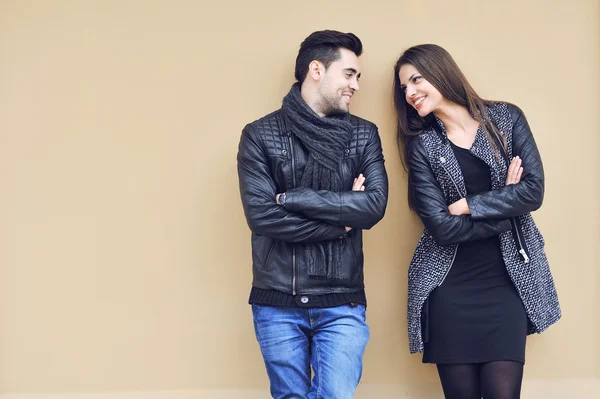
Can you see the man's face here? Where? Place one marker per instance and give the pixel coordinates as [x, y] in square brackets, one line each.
[339, 84]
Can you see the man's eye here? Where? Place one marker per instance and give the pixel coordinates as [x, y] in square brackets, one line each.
[348, 75]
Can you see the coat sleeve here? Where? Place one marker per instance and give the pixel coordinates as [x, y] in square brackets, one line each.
[258, 191]
[356, 209]
[430, 204]
[523, 197]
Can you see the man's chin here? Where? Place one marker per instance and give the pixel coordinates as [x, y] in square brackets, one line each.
[339, 111]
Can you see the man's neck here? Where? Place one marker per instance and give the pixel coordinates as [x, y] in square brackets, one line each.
[310, 94]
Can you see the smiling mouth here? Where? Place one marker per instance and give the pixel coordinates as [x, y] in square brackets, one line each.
[419, 102]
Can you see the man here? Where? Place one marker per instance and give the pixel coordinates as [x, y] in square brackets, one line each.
[312, 177]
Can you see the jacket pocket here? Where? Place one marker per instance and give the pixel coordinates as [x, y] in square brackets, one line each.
[354, 246]
[349, 247]
[262, 248]
[267, 263]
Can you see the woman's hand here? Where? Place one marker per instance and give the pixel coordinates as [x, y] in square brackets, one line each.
[460, 207]
[515, 170]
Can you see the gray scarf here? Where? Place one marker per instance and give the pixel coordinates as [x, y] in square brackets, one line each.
[325, 139]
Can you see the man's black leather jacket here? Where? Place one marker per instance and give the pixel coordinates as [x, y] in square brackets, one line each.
[271, 161]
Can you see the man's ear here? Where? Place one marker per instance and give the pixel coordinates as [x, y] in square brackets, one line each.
[316, 70]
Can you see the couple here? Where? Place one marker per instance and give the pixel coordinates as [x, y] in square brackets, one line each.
[312, 177]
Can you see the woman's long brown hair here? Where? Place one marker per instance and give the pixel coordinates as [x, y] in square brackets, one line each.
[438, 67]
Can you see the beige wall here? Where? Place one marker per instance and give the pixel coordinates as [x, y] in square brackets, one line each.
[125, 256]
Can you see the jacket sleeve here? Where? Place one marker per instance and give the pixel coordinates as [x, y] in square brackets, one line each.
[356, 209]
[523, 197]
[430, 204]
[258, 191]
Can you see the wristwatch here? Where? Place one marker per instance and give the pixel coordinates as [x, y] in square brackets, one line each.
[281, 199]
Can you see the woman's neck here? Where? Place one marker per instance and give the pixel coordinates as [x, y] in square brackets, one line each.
[456, 118]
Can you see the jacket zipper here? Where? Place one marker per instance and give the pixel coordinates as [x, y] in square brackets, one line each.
[294, 185]
[516, 229]
[451, 263]
[443, 161]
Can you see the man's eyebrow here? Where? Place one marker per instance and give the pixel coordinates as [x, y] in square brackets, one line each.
[352, 70]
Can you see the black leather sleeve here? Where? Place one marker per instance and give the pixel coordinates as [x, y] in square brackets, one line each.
[523, 197]
[356, 209]
[258, 191]
[430, 205]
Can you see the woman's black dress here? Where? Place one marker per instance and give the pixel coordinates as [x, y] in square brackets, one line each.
[475, 315]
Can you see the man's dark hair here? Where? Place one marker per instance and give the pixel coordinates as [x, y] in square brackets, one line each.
[324, 46]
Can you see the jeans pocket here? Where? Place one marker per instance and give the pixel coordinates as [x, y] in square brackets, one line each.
[258, 313]
[363, 310]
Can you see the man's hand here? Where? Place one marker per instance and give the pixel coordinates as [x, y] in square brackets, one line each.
[515, 170]
[357, 185]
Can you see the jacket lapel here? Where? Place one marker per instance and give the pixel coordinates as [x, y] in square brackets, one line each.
[483, 150]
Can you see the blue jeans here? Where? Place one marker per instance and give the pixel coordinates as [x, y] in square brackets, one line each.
[332, 340]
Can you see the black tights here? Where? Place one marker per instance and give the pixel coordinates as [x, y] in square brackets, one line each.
[492, 380]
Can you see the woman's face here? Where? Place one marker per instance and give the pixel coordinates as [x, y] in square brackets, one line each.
[419, 93]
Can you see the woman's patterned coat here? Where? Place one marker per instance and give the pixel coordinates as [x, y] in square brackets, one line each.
[436, 181]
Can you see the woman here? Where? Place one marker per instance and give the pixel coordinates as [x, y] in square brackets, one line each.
[479, 281]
